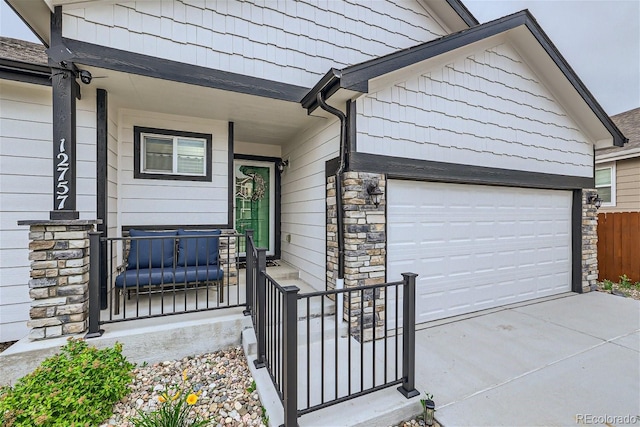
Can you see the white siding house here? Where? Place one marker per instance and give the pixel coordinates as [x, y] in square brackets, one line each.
[25, 188]
[480, 135]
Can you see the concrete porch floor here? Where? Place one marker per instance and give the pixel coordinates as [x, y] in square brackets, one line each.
[556, 361]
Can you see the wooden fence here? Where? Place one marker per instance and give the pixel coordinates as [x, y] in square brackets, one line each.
[619, 245]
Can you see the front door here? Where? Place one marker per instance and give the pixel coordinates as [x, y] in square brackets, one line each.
[255, 202]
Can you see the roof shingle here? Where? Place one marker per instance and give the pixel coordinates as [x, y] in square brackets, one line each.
[629, 123]
[23, 51]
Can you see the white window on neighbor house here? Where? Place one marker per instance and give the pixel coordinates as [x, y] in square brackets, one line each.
[606, 184]
[165, 154]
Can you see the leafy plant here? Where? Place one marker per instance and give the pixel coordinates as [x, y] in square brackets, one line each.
[607, 285]
[625, 282]
[174, 409]
[76, 387]
[264, 417]
[252, 387]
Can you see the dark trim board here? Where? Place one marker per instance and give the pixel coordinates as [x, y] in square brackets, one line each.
[102, 182]
[126, 228]
[26, 73]
[101, 158]
[331, 167]
[230, 181]
[463, 12]
[576, 242]
[425, 170]
[352, 129]
[145, 65]
[277, 250]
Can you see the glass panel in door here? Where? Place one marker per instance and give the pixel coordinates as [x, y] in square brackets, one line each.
[254, 202]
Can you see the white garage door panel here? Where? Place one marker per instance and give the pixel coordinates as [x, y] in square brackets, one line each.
[476, 247]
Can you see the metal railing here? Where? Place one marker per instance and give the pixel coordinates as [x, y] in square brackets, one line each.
[316, 356]
[153, 276]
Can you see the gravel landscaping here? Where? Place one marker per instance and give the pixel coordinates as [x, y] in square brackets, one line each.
[226, 390]
[222, 378]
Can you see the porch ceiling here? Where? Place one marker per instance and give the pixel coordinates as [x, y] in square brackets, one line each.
[257, 119]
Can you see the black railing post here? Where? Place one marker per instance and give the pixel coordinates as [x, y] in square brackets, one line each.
[261, 307]
[408, 388]
[95, 261]
[248, 235]
[105, 264]
[290, 357]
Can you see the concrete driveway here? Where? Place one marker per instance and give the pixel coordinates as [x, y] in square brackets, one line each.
[574, 359]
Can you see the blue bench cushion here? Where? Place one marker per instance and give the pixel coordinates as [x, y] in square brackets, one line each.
[151, 253]
[144, 277]
[200, 251]
[198, 274]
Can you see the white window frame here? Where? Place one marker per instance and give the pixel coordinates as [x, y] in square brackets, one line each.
[612, 168]
[174, 163]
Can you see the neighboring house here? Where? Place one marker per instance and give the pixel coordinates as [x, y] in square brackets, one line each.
[618, 168]
[481, 138]
[618, 185]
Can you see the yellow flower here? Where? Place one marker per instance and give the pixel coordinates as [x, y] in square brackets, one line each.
[175, 396]
[192, 399]
[162, 399]
[184, 375]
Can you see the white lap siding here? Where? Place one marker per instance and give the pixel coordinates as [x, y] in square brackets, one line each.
[290, 41]
[304, 200]
[486, 109]
[26, 170]
[170, 202]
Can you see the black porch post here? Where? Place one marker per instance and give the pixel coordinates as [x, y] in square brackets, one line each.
[64, 91]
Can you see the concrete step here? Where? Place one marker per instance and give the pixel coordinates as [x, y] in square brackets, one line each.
[283, 271]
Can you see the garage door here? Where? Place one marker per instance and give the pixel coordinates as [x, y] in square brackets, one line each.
[477, 247]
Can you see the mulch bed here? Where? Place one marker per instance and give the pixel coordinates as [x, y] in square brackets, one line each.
[6, 345]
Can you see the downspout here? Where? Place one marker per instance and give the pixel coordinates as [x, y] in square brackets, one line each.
[339, 209]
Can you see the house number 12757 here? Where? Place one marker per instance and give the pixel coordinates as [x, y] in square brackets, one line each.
[62, 188]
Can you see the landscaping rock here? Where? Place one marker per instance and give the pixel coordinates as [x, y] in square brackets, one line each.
[222, 378]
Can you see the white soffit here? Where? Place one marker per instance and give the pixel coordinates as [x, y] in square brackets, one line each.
[257, 119]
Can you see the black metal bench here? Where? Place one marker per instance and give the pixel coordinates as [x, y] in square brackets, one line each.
[157, 260]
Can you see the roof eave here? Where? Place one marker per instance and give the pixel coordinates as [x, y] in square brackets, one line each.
[615, 156]
[25, 72]
[463, 12]
[36, 15]
[327, 85]
[357, 77]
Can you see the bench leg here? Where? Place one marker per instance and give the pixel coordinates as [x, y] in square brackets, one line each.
[220, 291]
[116, 303]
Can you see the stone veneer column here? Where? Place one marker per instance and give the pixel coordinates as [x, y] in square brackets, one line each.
[228, 256]
[589, 243]
[59, 285]
[365, 249]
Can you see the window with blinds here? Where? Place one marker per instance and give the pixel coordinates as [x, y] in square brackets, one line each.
[178, 155]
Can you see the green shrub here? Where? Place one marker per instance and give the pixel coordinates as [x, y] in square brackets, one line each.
[607, 285]
[77, 387]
